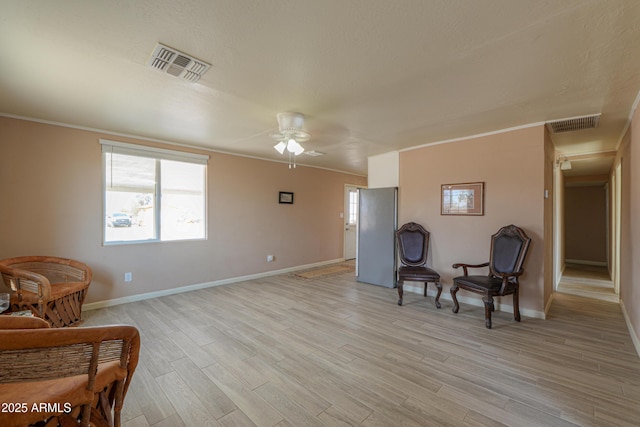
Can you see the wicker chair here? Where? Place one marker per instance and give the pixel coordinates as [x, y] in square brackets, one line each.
[60, 377]
[53, 288]
[22, 322]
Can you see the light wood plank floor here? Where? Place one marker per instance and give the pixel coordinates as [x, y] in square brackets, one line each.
[588, 281]
[283, 351]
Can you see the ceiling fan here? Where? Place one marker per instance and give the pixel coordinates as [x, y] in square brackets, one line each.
[290, 135]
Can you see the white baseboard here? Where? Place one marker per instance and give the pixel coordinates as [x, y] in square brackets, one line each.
[548, 305]
[476, 301]
[559, 277]
[197, 286]
[582, 262]
[634, 336]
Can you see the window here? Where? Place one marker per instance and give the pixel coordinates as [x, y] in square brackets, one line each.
[353, 207]
[152, 194]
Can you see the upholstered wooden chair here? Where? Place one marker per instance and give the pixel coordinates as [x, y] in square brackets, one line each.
[509, 248]
[413, 246]
[53, 288]
[64, 376]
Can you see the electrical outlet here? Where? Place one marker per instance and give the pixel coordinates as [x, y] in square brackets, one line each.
[128, 277]
[269, 258]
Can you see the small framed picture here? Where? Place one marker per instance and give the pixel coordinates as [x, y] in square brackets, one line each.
[285, 197]
[463, 199]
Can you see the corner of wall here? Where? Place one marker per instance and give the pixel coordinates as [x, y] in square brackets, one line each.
[384, 170]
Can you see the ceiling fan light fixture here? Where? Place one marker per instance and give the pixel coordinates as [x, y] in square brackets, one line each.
[294, 147]
[290, 121]
[290, 135]
[280, 147]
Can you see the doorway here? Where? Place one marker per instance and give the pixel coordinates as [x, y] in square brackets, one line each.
[589, 236]
[616, 230]
[350, 217]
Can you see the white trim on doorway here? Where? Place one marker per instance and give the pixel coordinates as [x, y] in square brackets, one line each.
[349, 231]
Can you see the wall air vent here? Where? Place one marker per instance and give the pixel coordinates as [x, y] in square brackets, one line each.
[170, 61]
[577, 123]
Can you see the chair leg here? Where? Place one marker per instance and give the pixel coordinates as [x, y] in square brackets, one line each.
[86, 415]
[488, 308]
[439, 286]
[400, 292]
[516, 306]
[454, 290]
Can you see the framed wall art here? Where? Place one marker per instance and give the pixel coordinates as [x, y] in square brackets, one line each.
[463, 199]
[285, 197]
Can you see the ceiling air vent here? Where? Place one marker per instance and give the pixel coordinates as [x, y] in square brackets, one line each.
[577, 123]
[179, 64]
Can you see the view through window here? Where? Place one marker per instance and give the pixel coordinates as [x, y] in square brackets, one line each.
[149, 198]
[353, 207]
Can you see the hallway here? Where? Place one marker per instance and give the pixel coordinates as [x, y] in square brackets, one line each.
[587, 281]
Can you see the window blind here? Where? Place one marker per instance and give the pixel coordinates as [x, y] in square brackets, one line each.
[117, 147]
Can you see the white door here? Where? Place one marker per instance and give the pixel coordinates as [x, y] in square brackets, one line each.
[350, 221]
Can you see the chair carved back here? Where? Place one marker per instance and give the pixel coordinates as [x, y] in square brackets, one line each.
[413, 244]
[509, 248]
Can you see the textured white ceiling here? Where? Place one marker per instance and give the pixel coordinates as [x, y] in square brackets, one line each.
[371, 75]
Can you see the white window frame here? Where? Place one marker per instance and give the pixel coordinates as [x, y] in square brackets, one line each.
[116, 147]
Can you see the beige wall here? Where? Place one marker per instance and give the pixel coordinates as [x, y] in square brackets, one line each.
[629, 156]
[51, 181]
[383, 170]
[512, 165]
[586, 224]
